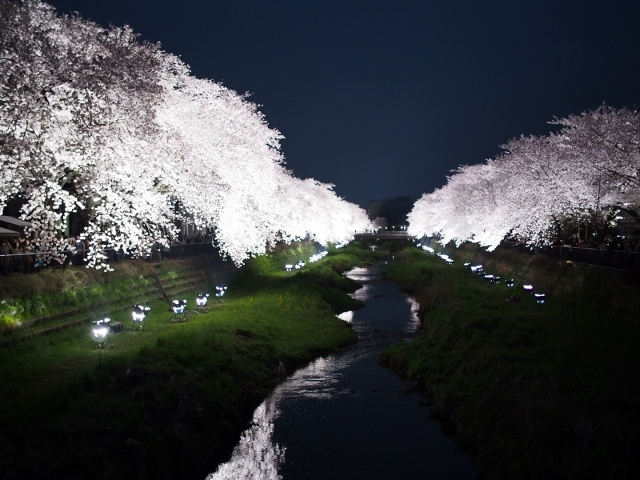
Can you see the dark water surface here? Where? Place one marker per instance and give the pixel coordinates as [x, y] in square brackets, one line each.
[344, 416]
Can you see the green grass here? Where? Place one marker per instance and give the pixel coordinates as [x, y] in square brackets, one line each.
[168, 401]
[536, 391]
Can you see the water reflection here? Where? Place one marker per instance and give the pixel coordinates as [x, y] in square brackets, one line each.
[256, 456]
[414, 321]
[342, 416]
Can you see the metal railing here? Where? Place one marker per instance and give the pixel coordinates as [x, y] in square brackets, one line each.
[383, 234]
[602, 257]
[35, 261]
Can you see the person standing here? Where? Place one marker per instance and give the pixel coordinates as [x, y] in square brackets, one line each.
[29, 258]
[79, 251]
[6, 250]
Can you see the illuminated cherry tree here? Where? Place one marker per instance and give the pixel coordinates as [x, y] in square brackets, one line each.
[604, 145]
[96, 122]
[588, 171]
[69, 89]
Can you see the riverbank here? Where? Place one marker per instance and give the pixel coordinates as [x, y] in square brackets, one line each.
[168, 401]
[534, 390]
[330, 419]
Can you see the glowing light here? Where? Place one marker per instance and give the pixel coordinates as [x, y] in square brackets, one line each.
[101, 328]
[540, 297]
[220, 291]
[446, 258]
[139, 314]
[202, 299]
[179, 307]
[100, 331]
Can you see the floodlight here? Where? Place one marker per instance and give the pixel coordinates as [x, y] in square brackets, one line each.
[101, 331]
[139, 314]
[179, 306]
[202, 299]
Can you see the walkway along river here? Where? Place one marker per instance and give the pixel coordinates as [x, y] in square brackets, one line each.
[344, 416]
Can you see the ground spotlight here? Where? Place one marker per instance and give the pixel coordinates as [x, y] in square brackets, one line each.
[139, 315]
[179, 308]
[202, 299]
[220, 293]
[477, 269]
[100, 332]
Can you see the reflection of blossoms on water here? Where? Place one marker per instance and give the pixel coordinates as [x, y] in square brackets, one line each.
[364, 276]
[346, 316]
[322, 414]
[317, 380]
[414, 322]
[256, 457]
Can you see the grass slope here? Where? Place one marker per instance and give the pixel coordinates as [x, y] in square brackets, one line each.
[536, 391]
[168, 401]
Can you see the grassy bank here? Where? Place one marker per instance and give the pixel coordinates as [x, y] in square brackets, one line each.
[536, 391]
[167, 401]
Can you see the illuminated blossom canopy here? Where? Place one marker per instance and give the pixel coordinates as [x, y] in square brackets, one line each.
[94, 121]
[586, 172]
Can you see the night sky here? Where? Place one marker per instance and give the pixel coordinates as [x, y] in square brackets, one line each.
[384, 98]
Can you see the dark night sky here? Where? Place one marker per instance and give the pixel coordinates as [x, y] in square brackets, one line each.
[384, 98]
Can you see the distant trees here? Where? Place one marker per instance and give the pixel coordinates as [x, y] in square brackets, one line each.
[587, 173]
[394, 210]
[94, 121]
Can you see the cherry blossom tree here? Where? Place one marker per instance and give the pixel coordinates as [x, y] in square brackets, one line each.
[69, 87]
[587, 171]
[95, 122]
[604, 145]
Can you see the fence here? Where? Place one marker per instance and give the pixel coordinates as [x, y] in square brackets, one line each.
[33, 262]
[620, 259]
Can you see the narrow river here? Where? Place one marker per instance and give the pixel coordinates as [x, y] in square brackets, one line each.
[345, 417]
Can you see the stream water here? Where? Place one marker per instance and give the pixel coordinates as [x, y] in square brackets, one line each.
[345, 417]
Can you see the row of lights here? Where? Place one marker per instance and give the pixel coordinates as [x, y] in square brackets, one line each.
[102, 328]
[478, 269]
[314, 258]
